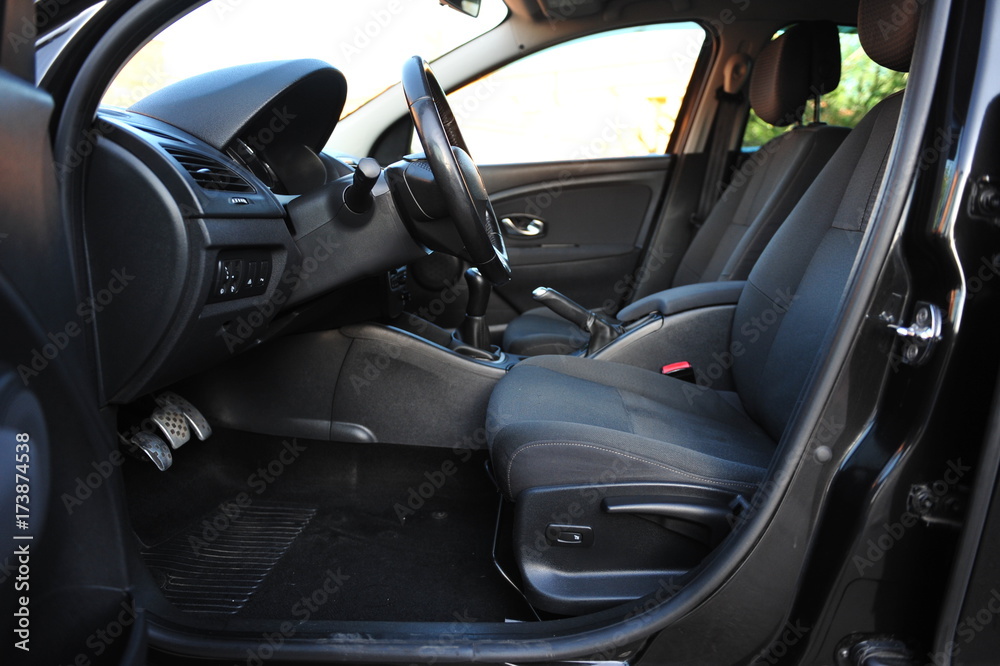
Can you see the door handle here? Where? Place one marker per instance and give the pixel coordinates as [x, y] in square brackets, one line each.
[522, 226]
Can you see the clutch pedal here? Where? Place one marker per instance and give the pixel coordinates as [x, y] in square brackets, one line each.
[173, 425]
[155, 448]
[196, 421]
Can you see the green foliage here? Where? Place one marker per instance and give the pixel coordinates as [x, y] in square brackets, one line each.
[863, 84]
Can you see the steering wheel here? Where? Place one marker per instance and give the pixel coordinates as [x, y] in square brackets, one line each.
[455, 172]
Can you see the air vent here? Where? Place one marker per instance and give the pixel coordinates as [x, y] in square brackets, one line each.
[210, 174]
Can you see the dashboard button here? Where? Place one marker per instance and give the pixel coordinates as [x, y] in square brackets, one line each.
[250, 281]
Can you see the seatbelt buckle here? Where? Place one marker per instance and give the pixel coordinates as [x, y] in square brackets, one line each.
[681, 370]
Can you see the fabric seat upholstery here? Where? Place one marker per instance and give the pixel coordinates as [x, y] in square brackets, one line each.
[569, 420]
[759, 197]
[565, 419]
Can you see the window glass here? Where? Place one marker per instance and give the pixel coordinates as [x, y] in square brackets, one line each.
[863, 84]
[615, 94]
[367, 41]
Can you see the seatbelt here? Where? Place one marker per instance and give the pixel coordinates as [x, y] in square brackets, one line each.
[17, 53]
[731, 104]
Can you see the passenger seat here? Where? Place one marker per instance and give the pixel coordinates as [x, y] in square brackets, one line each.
[800, 64]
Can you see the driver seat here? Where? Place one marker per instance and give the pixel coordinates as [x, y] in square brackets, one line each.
[572, 422]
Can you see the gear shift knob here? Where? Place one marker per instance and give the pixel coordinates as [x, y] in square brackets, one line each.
[474, 330]
[479, 293]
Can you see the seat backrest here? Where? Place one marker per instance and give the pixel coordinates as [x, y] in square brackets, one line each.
[793, 292]
[802, 62]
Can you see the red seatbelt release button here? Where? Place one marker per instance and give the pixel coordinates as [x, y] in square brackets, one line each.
[675, 368]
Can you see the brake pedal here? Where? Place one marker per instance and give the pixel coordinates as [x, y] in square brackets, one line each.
[173, 425]
[155, 448]
[195, 419]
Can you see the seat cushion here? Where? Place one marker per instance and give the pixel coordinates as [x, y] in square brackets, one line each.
[565, 420]
[542, 331]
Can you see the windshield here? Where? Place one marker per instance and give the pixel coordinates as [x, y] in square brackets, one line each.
[367, 41]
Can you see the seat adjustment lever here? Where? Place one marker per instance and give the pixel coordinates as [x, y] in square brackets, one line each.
[705, 521]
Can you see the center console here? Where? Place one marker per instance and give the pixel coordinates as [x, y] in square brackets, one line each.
[416, 383]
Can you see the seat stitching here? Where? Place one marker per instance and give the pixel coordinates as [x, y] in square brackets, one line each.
[697, 477]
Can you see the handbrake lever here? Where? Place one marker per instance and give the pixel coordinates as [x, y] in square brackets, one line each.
[602, 329]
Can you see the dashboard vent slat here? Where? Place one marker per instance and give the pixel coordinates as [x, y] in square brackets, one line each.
[210, 174]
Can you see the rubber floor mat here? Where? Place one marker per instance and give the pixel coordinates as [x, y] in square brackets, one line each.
[217, 564]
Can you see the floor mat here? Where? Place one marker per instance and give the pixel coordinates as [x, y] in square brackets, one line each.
[397, 533]
[218, 564]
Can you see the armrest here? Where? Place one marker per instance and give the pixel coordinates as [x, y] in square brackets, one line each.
[688, 297]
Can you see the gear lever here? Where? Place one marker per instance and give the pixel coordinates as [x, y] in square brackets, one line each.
[474, 331]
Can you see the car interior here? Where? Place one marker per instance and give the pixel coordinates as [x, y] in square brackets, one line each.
[394, 390]
[408, 496]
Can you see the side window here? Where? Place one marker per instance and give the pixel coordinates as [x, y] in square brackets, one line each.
[615, 94]
[863, 84]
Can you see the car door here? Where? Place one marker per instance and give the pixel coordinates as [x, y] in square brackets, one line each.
[574, 146]
[63, 570]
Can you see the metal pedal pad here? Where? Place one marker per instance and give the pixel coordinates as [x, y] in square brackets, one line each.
[155, 448]
[173, 425]
[195, 419]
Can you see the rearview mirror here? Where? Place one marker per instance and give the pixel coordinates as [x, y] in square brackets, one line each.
[470, 7]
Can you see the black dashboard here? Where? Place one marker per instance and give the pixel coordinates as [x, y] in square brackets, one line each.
[187, 195]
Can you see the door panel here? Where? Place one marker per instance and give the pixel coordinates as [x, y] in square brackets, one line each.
[596, 216]
[63, 572]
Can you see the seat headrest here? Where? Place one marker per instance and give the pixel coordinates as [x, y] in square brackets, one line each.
[802, 62]
[888, 31]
